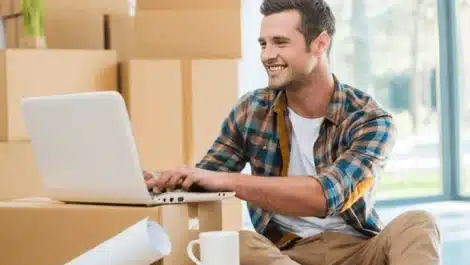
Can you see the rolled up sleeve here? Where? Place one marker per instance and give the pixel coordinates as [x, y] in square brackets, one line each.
[355, 171]
[227, 153]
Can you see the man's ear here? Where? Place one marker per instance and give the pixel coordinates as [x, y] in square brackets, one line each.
[320, 44]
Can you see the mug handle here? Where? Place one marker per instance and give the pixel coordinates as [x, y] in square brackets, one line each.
[189, 249]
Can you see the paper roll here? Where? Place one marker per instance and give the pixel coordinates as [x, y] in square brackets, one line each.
[141, 244]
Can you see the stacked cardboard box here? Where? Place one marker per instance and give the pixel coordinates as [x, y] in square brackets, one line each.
[204, 39]
[55, 233]
[80, 24]
[175, 63]
[179, 104]
[8, 20]
[201, 33]
[68, 24]
[26, 73]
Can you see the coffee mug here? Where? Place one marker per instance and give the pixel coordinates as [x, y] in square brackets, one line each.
[216, 248]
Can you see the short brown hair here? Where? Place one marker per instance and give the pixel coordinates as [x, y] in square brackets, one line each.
[316, 16]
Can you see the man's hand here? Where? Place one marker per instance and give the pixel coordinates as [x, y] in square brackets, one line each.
[184, 176]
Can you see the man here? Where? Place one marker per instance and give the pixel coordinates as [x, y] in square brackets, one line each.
[315, 147]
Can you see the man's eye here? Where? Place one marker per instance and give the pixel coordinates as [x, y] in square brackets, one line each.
[281, 44]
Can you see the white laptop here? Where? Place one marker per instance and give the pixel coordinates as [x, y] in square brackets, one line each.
[85, 151]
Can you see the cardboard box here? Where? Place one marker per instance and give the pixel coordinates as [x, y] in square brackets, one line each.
[25, 73]
[9, 12]
[19, 176]
[6, 7]
[71, 29]
[47, 232]
[153, 94]
[69, 24]
[177, 107]
[101, 6]
[177, 34]
[187, 4]
[32, 42]
[214, 92]
[10, 24]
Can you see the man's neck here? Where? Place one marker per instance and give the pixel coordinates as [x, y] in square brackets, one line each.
[312, 99]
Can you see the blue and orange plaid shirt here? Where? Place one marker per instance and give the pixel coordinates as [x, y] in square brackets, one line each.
[355, 140]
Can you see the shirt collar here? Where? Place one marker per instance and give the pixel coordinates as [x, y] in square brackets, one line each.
[335, 107]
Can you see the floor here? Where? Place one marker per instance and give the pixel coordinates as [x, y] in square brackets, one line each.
[454, 222]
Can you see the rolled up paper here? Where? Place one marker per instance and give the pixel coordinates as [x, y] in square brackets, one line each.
[141, 244]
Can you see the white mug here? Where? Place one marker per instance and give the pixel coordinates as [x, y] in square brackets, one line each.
[216, 248]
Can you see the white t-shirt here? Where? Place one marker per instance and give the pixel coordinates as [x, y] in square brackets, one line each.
[304, 134]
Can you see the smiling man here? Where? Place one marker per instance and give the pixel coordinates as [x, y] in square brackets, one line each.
[316, 147]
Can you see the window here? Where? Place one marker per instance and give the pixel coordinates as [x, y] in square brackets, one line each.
[390, 50]
[463, 20]
[252, 74]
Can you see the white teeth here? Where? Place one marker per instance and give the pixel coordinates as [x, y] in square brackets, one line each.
[275, 68]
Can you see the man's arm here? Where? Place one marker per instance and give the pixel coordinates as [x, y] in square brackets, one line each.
[227, 154]
[292, 196]
[333, 190]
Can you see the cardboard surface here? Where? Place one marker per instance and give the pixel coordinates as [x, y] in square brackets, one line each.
[6, 7]
[11, 32]
[32, 42]
[16, 5]
[187, 4]
[60, 232]
[214, 93]
[41, 72]
[19, 176]
[120, 30]
[102, 6]
[153, 93]
[71, 29]
[66, 27]
[223, 215]
[9, 10]
[192, 34]
[177, 107]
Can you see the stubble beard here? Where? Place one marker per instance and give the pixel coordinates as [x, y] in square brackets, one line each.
[293, 80]
[291, 83]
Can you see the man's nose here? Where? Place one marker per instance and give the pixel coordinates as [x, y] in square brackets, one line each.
[268, 54]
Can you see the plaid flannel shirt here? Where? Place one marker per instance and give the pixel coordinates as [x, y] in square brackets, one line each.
[354, 143]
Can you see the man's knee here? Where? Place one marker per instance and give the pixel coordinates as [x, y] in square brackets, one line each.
[246, 235]
[420, 217]
[413, 238]
[256, 249]
[416, 221]
[251, 239]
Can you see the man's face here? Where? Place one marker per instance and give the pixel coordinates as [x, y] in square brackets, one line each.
[284, 54]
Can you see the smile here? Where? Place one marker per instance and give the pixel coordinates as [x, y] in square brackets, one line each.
[276, 68]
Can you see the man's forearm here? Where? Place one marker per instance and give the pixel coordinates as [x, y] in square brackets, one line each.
[293, 196]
